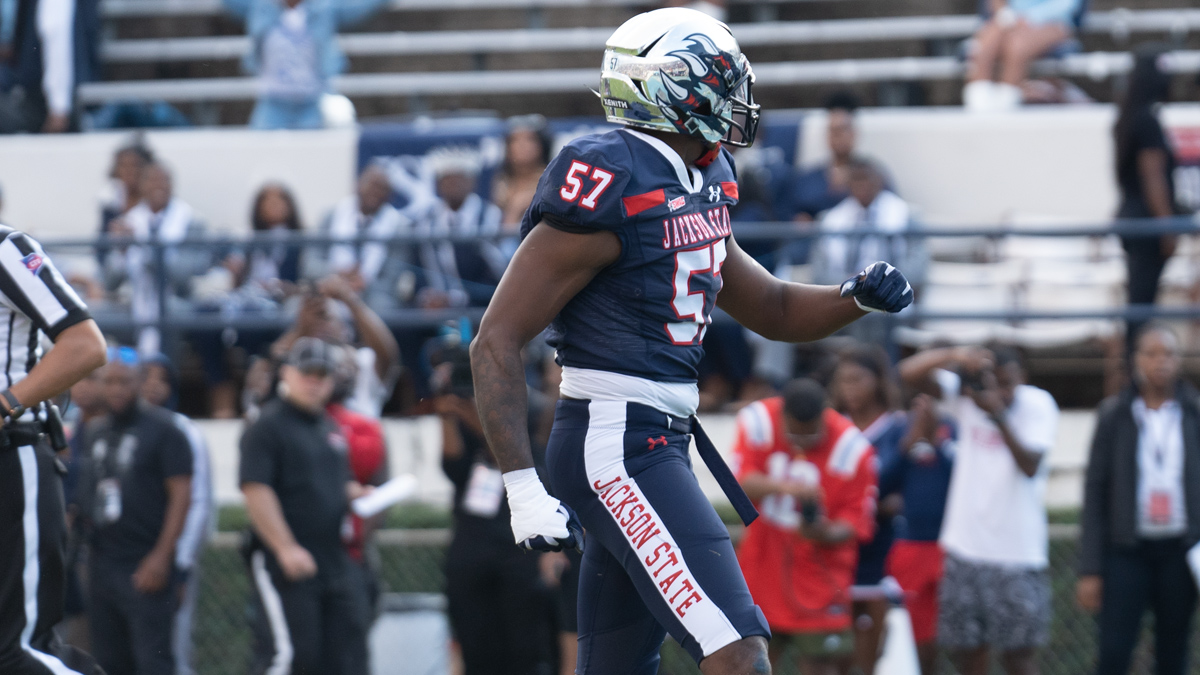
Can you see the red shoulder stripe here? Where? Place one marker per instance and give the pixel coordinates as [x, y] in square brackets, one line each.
[730, 189]
[638, 203]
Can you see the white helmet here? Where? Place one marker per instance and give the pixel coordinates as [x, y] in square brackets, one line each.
[682, 71]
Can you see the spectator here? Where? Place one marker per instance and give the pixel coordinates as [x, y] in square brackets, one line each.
[260, 279]
[459, 273]
[818, 189]
[1015, 34]
[995, 594]
[294, 53]
[53, 46]
[1141, 510]
[872, 218]
[122, 192]
[813, 476]
[160, 388]
[915, 561]
[376, 354]
[273, 216]
[367, 453]
[863, 390]
[160, 217]
[498, 607]
[1145, 174]
[383, 275]
[136, 500]
[526, 154]
[297, 484]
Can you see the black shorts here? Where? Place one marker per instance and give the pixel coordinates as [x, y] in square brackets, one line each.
[32, 574]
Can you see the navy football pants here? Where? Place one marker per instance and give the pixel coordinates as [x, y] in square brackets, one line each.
[657, 558]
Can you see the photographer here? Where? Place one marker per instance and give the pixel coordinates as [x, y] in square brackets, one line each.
[996, 591]
[499, 608]
[376, 354]
[812, 475]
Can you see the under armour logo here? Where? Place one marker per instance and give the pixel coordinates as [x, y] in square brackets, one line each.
[714, 193]
[655, 442]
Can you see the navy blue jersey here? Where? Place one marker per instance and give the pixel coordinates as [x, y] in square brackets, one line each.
[645, 315]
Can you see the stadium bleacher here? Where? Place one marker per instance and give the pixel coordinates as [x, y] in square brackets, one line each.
[406, 60]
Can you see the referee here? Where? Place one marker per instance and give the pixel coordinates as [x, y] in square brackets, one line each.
[34, 299]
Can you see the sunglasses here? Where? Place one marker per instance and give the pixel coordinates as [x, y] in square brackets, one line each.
[124, 355]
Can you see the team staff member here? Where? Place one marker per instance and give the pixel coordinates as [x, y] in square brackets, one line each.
[135, 498]
[498, 607]
[1141, 511]
[34, 299]
[297, 483]
[813, 476]
[160, 382]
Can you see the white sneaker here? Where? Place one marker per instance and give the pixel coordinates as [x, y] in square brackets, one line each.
[978, 95]
[1005, 97]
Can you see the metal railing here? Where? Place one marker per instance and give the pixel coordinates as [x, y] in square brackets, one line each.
[113, 318]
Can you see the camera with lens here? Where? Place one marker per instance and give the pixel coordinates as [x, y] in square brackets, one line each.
[973, 380]
[452, 375]
[810, 511]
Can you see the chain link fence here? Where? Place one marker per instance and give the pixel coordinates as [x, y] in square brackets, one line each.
[412, 560]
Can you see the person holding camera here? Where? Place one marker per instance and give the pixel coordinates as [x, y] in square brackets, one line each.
[498, 606]
[995, 593]
[812, 474]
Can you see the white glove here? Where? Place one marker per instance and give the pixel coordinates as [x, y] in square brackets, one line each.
[535, 513]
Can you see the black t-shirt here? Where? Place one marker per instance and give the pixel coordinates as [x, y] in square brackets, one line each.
[130, 457]
[303, 457]
[1146, 133]
[470, 527]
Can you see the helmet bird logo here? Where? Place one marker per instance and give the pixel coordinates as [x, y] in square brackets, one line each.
[680, 71]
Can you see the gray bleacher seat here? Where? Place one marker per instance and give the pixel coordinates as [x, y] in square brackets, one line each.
[773, 33]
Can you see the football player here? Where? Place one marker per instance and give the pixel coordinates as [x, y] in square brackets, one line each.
[625, 249]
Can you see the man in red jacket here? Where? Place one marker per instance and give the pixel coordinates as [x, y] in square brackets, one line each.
[813, 477]
[367, 452]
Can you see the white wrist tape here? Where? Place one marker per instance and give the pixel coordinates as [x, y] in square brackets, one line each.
[534, 512]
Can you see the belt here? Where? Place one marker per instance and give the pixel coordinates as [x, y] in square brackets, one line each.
[21, 434]
[716, 464]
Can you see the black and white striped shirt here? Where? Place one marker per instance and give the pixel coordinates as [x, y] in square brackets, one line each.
[34, 299]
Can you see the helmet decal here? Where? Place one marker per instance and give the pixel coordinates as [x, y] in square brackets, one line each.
[691, 80]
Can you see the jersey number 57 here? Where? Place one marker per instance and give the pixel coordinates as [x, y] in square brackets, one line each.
[693, 307]
[573, 187]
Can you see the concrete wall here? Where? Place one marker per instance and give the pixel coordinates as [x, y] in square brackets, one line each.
[1041, 164]
[414, 446]
[1051, 163]
[52, 183]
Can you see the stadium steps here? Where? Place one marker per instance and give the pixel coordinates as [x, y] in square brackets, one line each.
[188, 52]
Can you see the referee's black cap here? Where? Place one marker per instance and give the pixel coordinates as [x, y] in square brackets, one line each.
[313, 356]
